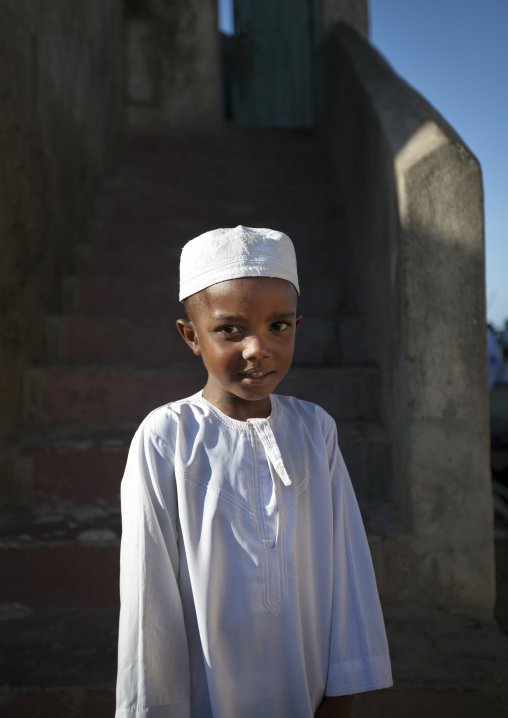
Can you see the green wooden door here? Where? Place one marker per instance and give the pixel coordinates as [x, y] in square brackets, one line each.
[274, 69]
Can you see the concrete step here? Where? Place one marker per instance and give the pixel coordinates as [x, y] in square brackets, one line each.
[205, 181]
[67, 561]
[83, 339]
[63, 663]
[215, 183]
[217, 203]
[168, 234]
[65, 554]
[61, 555]
[86, 464]
[58, 663]
[318, 248]
[142, 297]
[60, 546]
[82, 464]
[225, 155]
[148, 262]
[65, 394]
[202, 175]
[310, 235]
[123, 296]
[81, 394]
[444, 664]
[150, 250]
[80, 644]
[29, 701]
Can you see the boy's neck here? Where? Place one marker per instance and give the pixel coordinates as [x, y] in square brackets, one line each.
[237, 408]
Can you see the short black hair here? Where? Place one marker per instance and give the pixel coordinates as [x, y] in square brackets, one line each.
[187, 304]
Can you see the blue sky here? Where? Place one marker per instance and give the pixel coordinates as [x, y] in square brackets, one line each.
[455, 53]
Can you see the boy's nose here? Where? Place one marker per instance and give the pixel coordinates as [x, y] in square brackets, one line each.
[254, 348]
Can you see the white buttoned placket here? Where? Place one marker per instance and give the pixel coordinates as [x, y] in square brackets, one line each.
[267, 438]
[270, 516]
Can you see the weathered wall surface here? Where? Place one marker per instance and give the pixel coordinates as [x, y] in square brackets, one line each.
[173, 58]
[351, 12]
[172, 62]
[60, 117]
[412, 196]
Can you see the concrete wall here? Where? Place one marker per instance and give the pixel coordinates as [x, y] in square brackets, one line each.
[172, 62]
[351, 12]
[60, 114]
[173, 58]
[412, 197]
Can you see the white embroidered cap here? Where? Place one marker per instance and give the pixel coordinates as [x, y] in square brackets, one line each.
[233, 253]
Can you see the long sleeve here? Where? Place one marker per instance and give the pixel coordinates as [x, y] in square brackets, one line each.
[359, 659]
[153, 661]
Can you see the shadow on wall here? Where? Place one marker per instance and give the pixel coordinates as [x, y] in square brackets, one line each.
[60, 125]
[412, 198]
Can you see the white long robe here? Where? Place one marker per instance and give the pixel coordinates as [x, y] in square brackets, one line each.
[247, 586]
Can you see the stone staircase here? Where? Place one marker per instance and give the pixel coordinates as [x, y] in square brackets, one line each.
[115, 355]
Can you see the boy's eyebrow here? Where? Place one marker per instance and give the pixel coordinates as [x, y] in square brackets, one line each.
[282, 315]
[241, 317]
[227, 317]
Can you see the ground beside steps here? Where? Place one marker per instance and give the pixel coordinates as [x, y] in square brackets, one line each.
[114, 355]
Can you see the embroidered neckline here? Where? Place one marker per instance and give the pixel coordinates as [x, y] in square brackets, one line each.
[262, 427]
[245, 426]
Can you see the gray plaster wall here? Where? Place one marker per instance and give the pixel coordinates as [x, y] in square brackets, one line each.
[172, 63]
[411, 193]
[351, 12]
[61, 114]
[173, 58]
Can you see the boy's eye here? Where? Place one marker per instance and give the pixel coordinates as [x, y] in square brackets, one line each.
[229, 329]
[280, 326]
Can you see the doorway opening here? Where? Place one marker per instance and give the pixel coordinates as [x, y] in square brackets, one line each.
[270, 62]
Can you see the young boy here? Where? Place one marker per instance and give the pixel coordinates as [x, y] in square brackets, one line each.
[247, 586]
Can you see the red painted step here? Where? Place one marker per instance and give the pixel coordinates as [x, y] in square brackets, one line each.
[61, 575]
[310, 235]
[81, 339]
[58, 663]
[90, 339]
[151, 263]
[63, 467]
[124, 296]
[216, 201]
[76, 469]
[77, 701]
[139, 297]
[116, 355]
[120, 234]
[85, 466]
[87, 394]
[63, 554]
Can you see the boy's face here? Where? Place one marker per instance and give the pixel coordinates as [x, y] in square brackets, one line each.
[244, 330]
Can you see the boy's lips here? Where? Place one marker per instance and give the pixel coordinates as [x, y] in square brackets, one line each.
[256, 373]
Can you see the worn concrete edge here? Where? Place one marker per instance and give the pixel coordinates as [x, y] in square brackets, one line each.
[399, 111]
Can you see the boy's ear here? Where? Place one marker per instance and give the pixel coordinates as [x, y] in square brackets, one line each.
[186, 329]
[299, 318]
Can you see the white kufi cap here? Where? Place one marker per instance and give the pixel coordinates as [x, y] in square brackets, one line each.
[224, 254]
